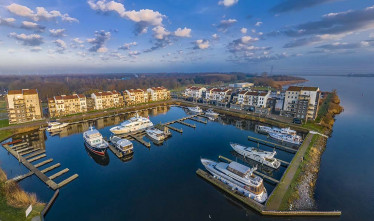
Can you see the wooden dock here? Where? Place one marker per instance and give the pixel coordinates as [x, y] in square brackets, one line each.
[186, 124]
[175, 129]
[140, 140]
[271, 144]
[198, 120]
[35, 155]
[115, 151]
[265, 177]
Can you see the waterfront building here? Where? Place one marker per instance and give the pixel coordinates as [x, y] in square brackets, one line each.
[23, 106]
[195, 92]
[135, 96]
[253, 98]
[218, 96]
[67, 104]
[158, 94]
[107, 99]
[301, 102]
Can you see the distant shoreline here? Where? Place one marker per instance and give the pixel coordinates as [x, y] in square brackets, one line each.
[339, 75]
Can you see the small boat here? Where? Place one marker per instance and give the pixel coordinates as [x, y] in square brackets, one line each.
[292, 139]
[132, 125]
[211, 113]
[95, 141]
[156, 134]
[267, 130]
[239, 178]
[53, 126]
[123, 145]
[196, 109]
[263, 157]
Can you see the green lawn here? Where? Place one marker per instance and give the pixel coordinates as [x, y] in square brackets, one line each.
[313, 126]
[2, 106]
[4, 123]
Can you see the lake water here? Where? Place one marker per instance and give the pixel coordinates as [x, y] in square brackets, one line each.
[160, 183]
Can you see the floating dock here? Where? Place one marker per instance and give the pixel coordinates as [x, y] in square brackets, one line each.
[198, 120]
[175, 129]
[186, 124]
[271, 144]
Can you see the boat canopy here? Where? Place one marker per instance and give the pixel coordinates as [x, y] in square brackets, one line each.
[238, 168]
[92, 133]
[124, 142]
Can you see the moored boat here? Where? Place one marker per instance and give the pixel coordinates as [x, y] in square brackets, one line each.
[267, 130]
[263, 157]
[132, 125]
[53, 126]
[196, 109]
[239, 178]
[95, 141]
[156, 134]
[292, 139]
[211, 113]
[123, 145]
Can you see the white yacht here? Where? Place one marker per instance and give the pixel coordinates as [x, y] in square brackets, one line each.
[239, 178]
[133, 124]
[265, 129]
[95, 141]
[53, 126]
[292, 139]
[196, 109]
[263, 157]
[123, 145]
[211, 113]
[156, 134]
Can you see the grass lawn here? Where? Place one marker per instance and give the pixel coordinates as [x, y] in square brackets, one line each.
[16, 214]
[4, 123]
[313, 126]
[5, 133]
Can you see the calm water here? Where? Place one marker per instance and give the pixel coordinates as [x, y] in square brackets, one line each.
[160, 183]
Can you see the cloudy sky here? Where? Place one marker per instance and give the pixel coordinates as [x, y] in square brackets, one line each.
[88, 36]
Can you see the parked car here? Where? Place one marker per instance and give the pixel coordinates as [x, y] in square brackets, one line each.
[297, 121]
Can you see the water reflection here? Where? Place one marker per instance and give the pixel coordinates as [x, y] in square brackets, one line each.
[101, 160]
[35, 138]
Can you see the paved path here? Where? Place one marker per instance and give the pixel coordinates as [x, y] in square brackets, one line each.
[281, 189]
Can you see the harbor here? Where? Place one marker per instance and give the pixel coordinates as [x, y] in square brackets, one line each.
[182, 123]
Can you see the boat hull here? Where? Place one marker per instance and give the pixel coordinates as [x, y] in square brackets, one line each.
[235, 185]
[95, 150]
[254, 157]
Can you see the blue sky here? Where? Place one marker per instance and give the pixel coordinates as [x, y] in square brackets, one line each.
[96, 36]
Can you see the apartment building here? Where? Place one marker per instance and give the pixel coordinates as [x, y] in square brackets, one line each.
[67, 104]
[301, 102]
[107, 99]
[219, 96]
[135, 96]
[158, 94]
[195, 92]
[23, 106]
[253, 98]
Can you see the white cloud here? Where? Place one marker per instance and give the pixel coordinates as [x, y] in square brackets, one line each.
[40, 14]
[258, 24]
[134, 53]
[102, 50]
[35, 49]
[243, 30]
[185, 32]
[7, 21]
[57, 32]
[143, 17]
[127, 46]
[225, 24]
[61, 46]
[78, 41]
[160, 32]
[28, 40]
[32, 26]
[215, 36]
[246, 39]
[101, 37]
[228, 3]
[201, 44]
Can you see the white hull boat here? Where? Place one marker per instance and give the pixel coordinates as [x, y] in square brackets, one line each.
[263, 157]
[267, 130]
[54, 126]
[196, 109]
[211, 113]
[132, 125]
[123, 145]
[239, 178]
[95, 142]
[156, 134]
[292, 139]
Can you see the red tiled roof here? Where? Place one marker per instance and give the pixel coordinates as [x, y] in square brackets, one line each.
[15, 92]
[296, 88]
[29, 91]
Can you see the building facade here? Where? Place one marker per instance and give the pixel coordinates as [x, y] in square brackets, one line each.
[135, 96]
[253, 98]
[301, 102]
[195, 92]
[158, 94]
[107, 99]
[67, 104]
[23, 106]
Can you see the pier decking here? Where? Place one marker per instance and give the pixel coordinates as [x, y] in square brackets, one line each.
[35, 155]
